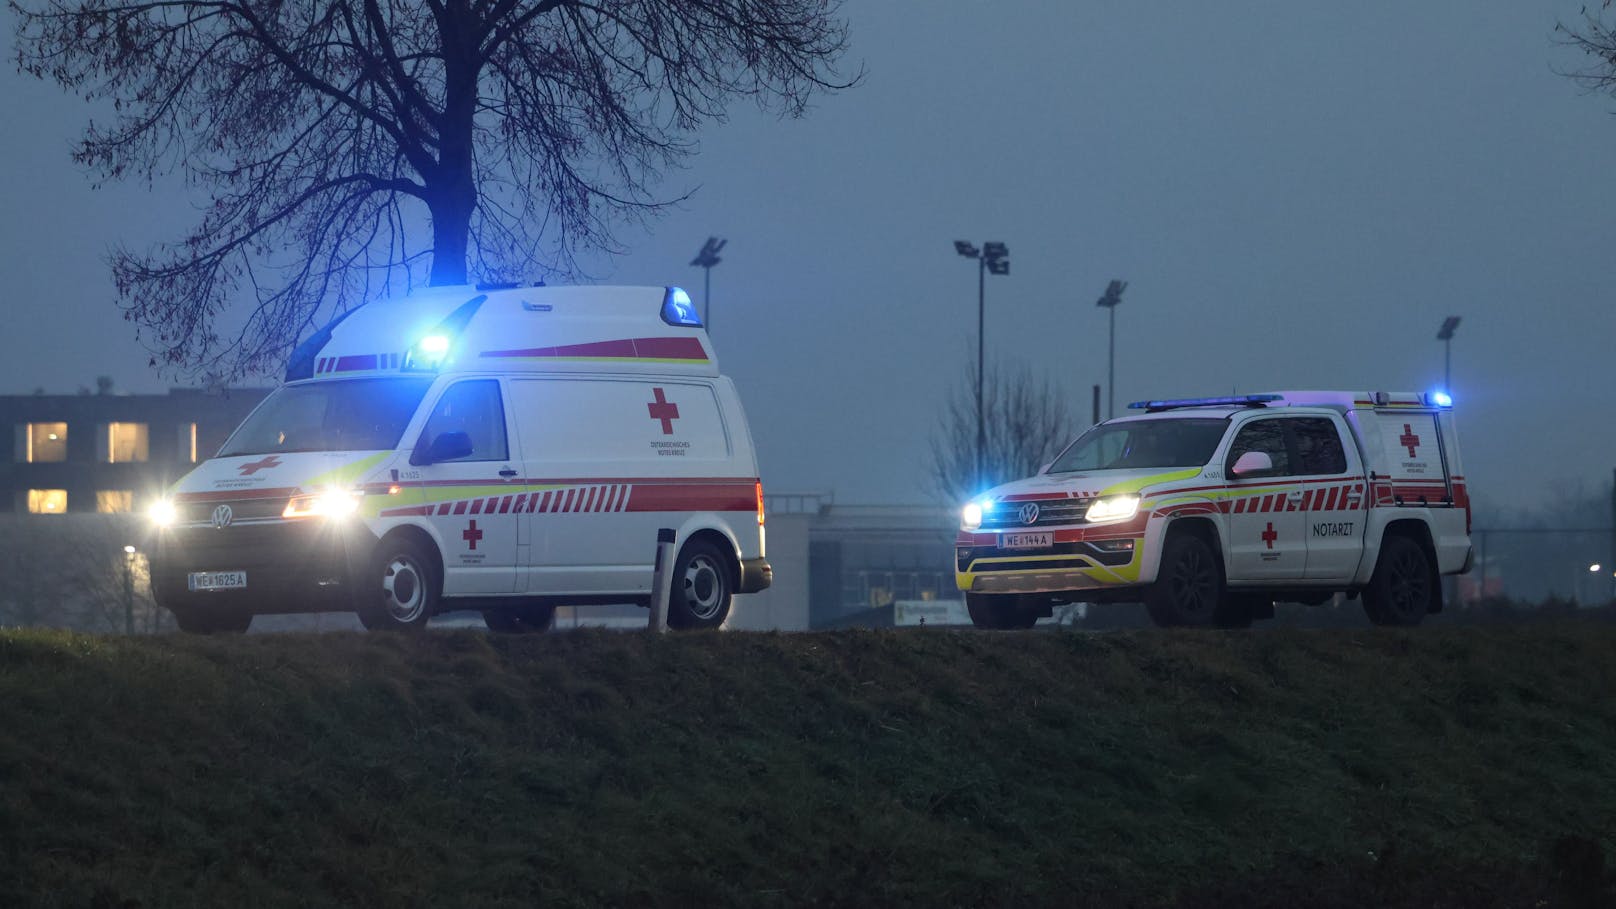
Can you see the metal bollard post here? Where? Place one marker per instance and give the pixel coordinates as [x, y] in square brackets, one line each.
[662, 580]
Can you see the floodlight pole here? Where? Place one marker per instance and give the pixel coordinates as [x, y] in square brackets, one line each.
[1445, 335]
[994, 257]
[128, 591]
[705, 260]
[1110, 300]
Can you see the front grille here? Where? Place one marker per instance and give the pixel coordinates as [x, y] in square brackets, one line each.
[965, 556]
[1007, 515]
[258, 509]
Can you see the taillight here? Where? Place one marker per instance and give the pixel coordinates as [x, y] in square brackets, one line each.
[760, 502]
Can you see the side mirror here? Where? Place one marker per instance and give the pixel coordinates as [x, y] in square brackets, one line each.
[1252, 462]
[447, 446]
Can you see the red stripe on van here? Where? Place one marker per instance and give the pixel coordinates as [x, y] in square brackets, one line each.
[738, 496]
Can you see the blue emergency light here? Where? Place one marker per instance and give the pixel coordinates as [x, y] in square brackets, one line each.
[678, 310]
[1439, 399]
[1231, 400]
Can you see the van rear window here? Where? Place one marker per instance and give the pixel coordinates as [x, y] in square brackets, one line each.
[335, 415]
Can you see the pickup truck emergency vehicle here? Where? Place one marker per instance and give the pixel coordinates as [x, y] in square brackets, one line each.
[504, 450]
[1209, 509]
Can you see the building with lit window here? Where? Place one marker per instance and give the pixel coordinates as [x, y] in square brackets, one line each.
[110, 453]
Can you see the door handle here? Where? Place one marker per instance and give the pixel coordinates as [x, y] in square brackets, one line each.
[507, 472]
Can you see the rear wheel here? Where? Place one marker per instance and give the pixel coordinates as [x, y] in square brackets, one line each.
[1189, 584]
[404, 588]
[702, 587]
[520, 619]
[1400, 591]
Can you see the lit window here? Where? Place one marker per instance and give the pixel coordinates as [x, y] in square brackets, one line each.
[46, 442]
[126, 442]
[187, 448]
[47, 501]
[114, 501]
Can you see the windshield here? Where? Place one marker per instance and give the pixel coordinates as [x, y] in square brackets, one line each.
[1142, 445]
[341, 415]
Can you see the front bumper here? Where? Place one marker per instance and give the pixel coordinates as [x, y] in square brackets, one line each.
[1071, 565]
[756, 575]
[309, 565]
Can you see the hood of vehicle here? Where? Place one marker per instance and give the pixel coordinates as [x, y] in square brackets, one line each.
[1092, 484]
[291, 471]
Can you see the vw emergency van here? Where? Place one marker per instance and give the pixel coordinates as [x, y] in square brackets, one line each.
[1207, 510]
[504, 450]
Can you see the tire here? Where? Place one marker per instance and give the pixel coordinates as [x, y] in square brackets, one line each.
[1189, 584]
[1402, 589]
[406, 587]
[703, 586]
[200, 622]
[520, 619]
[1002, 611]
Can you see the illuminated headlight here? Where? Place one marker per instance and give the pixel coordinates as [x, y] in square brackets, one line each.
[971, 516]
[1114, 508]
[162, 513]
[332, 503]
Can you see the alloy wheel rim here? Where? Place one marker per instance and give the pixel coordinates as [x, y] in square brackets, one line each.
[405, 590]
[703, 587]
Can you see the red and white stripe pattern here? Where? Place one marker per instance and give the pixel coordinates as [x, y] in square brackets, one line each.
[601, 499]
[356, 363]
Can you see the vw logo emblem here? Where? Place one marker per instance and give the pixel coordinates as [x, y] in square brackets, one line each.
[222, 516]
[1029, 513]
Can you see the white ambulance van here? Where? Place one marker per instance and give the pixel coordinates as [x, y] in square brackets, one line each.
[504, 450]
[1207, 510]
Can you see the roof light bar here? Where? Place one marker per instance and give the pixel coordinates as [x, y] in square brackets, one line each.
[678, 310]
[1230, 400]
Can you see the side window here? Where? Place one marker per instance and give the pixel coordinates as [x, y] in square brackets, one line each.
[1318, 444]
[1266, 436]
[474, 408]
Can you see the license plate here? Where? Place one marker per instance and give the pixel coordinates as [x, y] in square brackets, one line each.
[1042, 540]
[216, 580]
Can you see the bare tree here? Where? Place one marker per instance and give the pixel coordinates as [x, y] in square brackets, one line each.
[323, 130]
[1026, 422]
[1598, 40]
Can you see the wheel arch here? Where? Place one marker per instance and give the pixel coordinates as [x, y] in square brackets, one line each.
[419, 537]
[1420, 532]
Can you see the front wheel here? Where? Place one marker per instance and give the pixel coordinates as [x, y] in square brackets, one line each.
[1401, 589]
[1189, 584]
[702, 587]
[403, 589]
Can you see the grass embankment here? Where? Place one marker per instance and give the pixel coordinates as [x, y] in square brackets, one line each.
[1453, 767]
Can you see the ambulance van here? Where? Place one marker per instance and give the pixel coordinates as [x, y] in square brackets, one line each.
[1208, 510]
[503, 450]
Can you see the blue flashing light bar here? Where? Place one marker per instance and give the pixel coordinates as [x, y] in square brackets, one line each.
[678, 310]
[1231, 400]
[1439, 399]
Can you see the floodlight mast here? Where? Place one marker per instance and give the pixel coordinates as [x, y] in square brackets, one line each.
[1109, 301]
[994, 258]
[1445, 335]
[706, 259]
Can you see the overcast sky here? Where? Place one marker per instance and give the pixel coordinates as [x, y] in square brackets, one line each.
[1297, 194]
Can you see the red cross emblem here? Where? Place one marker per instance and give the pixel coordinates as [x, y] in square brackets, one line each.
[1268, 536]
[1409, 439]
[248, 470]
[662, 409]
[472, 535]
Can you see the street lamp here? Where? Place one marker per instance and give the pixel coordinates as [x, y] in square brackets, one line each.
[1445, 335]
[706, 259]
[1109, 301]
[128, 590]
[994, 258]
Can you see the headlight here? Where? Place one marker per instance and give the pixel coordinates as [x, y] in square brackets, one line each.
[971, 516]
[161, 513]
[1114, 508]
[334, 503]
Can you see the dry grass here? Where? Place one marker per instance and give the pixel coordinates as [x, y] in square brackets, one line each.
[1445, 766]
